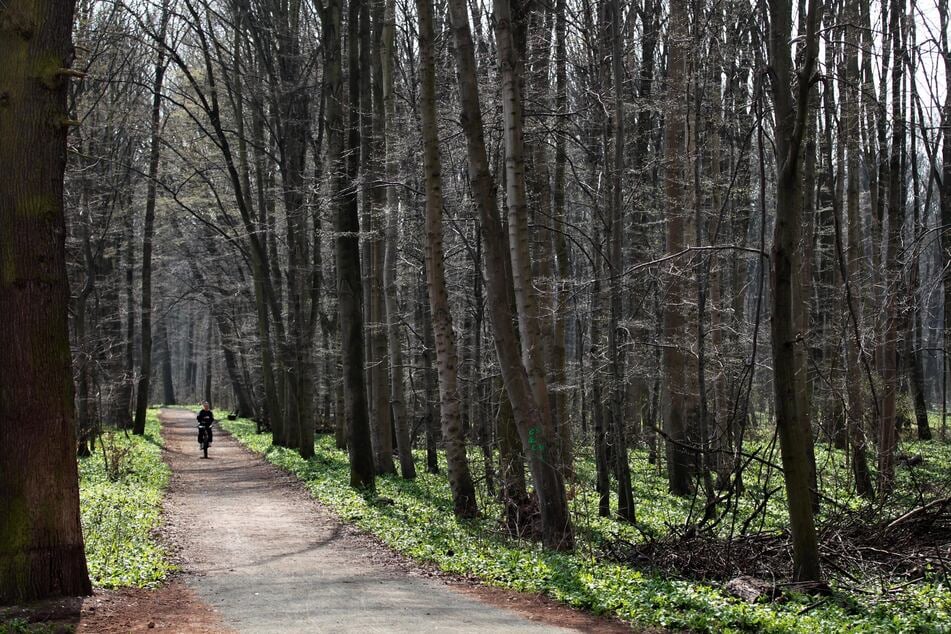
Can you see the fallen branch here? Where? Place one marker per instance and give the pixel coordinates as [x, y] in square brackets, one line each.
[913, 513]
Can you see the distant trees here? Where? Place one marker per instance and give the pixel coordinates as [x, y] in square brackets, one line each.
[41, 543]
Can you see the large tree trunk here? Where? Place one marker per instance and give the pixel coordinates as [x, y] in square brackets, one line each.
[41, 543]
[372, 210]
[802, 284]
[191, 366]
[460, 479]
[209, 362]
[674, 362]
[148, 229]
[532, 40]
[790, 117]
[534, 424]
[347, 225]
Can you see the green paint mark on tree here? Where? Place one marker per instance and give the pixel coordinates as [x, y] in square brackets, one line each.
[533, 444]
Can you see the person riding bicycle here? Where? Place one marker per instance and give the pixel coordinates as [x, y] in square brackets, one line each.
[206, 418]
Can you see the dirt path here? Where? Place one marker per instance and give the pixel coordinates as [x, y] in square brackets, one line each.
[267, 558]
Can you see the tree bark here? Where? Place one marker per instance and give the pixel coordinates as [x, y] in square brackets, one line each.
[424, 318]
[41, 542]
[534, 427]
[561, 414]
[790, 120]
[887, 432]
[347, 225]
[397, 388]
[123, 406]
[145, 368]
[460, 479]
[945, 195]
[915, 342]
[622, 467]
[168, 385]
[856, 412]
[674, 363]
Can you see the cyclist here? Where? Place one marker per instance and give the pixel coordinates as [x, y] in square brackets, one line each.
[206, 417]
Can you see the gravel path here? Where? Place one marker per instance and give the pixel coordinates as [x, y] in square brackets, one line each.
[267, 558]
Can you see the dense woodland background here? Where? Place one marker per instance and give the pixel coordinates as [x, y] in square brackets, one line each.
[535, 235]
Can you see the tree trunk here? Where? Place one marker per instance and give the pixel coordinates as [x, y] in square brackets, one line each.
[790, 120]
[887, 431]
[148, 229]
[294, 128]
[191, 366]
[41, 542]
[561, 414]
[460, 479]
[674, 362]
[510, 66]
[168, 385]
[209, 359]
[856, 413]
[424, 319]
[622, 467]
[534, 427]
[945, 195]
[397, 388]
[123, 404]
[915, 342]
[347, 225]
[273, 414]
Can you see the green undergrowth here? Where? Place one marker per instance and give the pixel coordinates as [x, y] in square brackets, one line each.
[415, 518]
[120, 490]
[24, 626]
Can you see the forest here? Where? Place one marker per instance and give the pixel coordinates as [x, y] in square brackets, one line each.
[649, 290]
